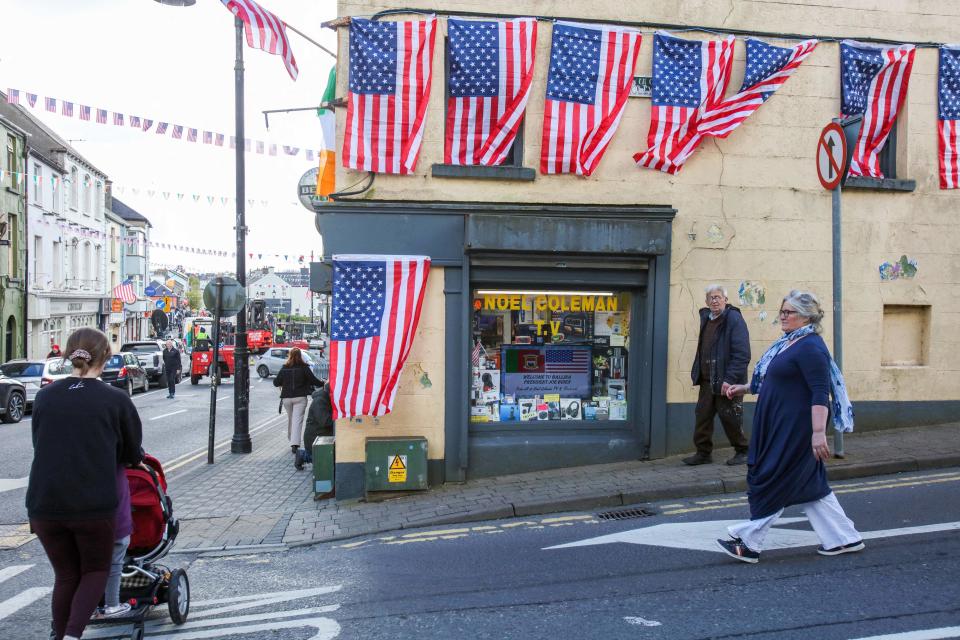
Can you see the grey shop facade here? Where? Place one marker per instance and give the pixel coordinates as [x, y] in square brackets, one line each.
[555, 327]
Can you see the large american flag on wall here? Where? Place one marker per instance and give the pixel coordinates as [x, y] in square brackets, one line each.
[588, 82]
[124, 291]
[768, 68]
[491, 69]
[389, 86]
[376, 309]
[873, 81]
[949, 116]
[690, 77]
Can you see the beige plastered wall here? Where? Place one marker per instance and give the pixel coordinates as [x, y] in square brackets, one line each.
[418, 408]
[750, 209]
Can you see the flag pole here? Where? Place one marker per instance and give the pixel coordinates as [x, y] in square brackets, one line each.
[241, 442]
[309, 39]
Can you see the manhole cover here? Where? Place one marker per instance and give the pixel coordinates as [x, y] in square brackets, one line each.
[625, 514]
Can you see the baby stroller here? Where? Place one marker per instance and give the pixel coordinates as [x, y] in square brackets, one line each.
[144, 583]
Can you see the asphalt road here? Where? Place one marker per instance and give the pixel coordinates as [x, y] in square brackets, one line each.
[174, 431]
[648, 577]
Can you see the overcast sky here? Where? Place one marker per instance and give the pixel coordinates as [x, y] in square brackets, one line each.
[175, 64]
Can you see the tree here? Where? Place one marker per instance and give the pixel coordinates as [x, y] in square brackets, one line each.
[194, 296]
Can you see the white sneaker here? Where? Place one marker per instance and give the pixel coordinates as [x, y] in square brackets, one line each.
[112, 612]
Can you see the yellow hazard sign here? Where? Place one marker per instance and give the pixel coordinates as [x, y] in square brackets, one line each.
[396, 468]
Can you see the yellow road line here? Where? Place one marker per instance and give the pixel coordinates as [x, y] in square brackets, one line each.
[444, 532]
[564, 519]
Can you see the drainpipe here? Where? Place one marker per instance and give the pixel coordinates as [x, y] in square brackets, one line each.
[26, 242]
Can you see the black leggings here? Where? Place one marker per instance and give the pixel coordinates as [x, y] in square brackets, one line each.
[80, 552]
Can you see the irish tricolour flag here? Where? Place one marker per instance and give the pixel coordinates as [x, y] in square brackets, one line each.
[326, 183]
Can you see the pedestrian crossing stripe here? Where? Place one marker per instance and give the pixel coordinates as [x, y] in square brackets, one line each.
[397, 468]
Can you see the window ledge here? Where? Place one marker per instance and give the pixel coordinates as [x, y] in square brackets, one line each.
[524, 174]
[880, 184]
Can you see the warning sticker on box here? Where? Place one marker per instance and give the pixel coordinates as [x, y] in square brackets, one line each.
[396, 468]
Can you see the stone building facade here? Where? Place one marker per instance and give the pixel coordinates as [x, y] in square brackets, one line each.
[747, 212]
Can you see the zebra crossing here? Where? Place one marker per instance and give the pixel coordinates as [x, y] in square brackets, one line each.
[22, 599]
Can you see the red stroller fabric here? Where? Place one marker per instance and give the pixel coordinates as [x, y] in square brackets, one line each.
[148, 502]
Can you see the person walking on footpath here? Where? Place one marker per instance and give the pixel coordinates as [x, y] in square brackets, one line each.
[296, 382]
[723, 353]
[788, 443]
[319, 424]
[82, 430]
[172, 366]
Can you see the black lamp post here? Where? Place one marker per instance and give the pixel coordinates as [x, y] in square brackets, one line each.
[241, 442]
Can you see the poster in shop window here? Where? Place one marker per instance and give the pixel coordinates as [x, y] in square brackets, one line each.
[529, 371]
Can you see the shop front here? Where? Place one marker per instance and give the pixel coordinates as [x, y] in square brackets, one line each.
[554, 328]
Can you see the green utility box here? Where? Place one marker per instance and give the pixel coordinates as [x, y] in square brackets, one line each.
[323, 466]
[396, 464]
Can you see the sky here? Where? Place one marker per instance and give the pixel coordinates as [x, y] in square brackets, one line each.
[176, 64]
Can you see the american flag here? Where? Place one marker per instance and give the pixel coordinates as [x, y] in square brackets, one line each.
[291, 151]
[13, 96]
[376, 309]
[177, 132]
[389, 86]
[32, 99]
[135, 121]
[272, 150]
[191, 135]
[101, 116]
[51, 104]
[124, 291]
[475, 354]
[147, 123]
[567, 360]
[84, 112]
[949, 116]
[271, 31]
[259, 146]
[768, 68]
[66, 108]
[207, 137]
[219, 140]
[689, 78]
[118, 119]
[873, 81]
[491, 69]
[162, 128]
[591, 70]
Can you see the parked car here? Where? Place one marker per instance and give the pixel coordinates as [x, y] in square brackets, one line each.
[124, 370]
[34, 374]
[150, 355]
[13, 399]
[269, 363]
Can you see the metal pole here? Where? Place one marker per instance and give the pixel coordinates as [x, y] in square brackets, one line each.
[241, 382]
[837, 304]
[214, 370]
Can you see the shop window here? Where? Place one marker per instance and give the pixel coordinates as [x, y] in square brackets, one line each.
[545, 356]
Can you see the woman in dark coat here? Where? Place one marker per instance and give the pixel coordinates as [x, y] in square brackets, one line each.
[788, 444]
[296, 382]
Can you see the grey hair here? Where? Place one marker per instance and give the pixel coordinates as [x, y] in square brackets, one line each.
[807, 306]
[715, 287]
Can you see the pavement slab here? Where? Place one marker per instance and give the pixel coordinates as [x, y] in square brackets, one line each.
[255, 499]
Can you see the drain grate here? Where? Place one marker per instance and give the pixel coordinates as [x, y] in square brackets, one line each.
[625, 514]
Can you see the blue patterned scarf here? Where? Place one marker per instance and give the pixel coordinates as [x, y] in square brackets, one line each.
[842, 410]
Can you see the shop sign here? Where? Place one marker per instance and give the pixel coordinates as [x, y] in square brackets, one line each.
[116, 305]
[535, 371]
[641, 87]
[545, 302]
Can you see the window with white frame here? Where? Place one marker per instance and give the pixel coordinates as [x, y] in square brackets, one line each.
[55, 193]
[97, 201]
[57, 264]
[87, 263]
[74, 188]
[97, 254]
[87, 194]
[38, 184]
[39, 278]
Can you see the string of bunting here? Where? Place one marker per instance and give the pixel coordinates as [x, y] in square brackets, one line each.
[143, 124]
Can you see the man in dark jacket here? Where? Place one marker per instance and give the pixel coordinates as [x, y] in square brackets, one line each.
[172, 366]
[319, 424]
[723, 353]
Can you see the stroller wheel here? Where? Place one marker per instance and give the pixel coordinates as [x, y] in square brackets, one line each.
[178, 596]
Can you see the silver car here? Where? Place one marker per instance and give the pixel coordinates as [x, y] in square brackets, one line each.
[269, 363]
[34, 374]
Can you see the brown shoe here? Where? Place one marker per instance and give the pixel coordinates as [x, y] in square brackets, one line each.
[698, 458]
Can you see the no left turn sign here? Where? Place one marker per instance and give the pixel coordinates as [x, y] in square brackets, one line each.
[831, 156]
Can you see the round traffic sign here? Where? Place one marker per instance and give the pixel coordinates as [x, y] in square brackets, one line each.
[831, 156]
[232, 297]
[158, 304]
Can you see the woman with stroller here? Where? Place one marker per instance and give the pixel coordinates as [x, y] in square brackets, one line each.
[296, 382]
[82, 428]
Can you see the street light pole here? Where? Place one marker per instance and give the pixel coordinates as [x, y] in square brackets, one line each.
[241, 393]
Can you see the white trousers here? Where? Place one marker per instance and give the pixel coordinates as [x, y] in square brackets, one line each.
[826, 516]
[295, 408]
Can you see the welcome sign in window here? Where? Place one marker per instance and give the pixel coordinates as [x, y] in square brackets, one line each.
[539, 356]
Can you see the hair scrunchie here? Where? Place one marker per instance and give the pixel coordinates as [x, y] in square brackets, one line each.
[83, 354]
